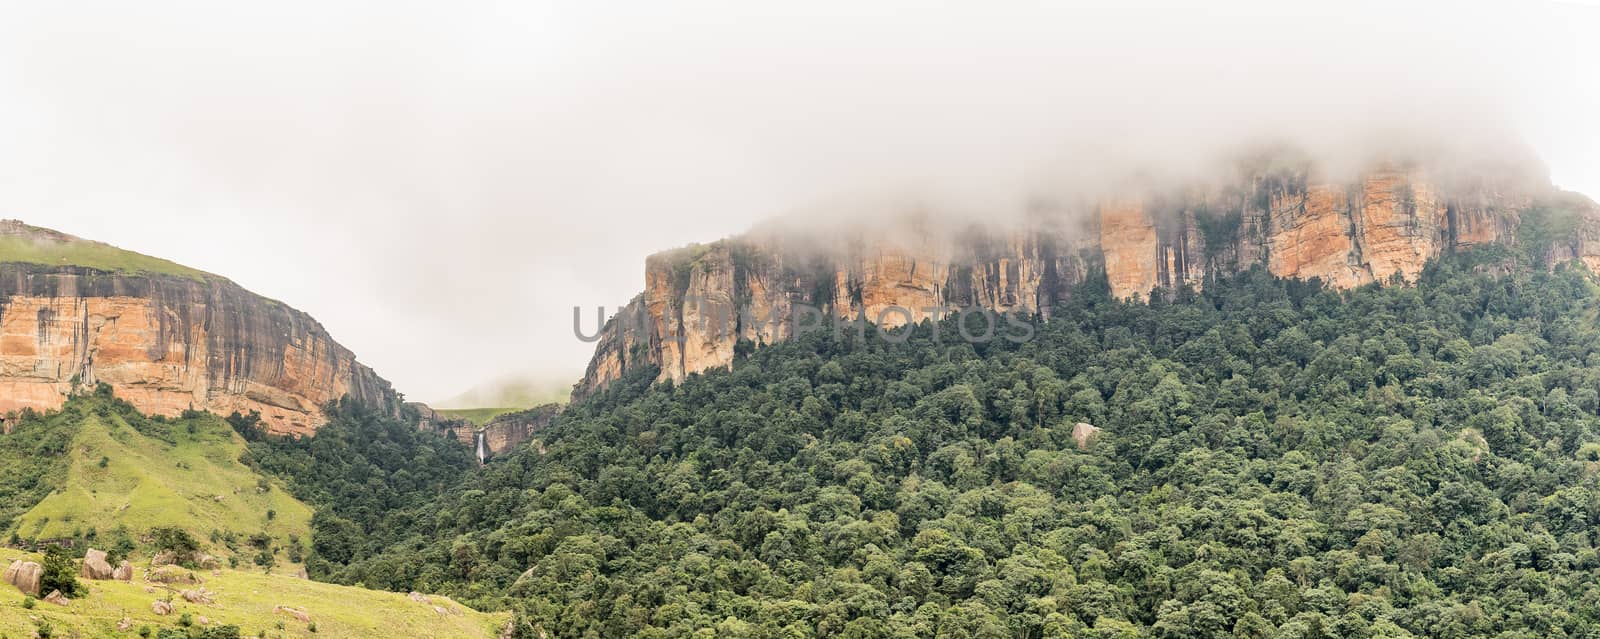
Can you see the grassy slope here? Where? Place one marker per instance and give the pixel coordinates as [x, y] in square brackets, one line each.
[149, 482]
[46, 247]
[246, 599]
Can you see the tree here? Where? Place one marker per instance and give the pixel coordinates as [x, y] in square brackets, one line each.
[60, 572]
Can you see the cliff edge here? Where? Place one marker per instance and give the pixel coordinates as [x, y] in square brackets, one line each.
[701, 302]
[75, 313]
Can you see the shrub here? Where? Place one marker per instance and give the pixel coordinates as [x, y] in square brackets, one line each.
[176, 540]
[221, 632]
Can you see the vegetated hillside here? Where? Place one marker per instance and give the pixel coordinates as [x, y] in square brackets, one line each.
[98, 466]
[245, 601]
[1275, 459]
[98, 474]
[368, 474]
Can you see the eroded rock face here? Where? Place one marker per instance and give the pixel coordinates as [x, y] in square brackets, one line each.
[508, 431]
[702, 304]
[167, 343]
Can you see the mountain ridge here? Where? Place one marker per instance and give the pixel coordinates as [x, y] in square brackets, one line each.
[700, 303]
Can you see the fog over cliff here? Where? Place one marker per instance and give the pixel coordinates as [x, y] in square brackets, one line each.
[440, 184]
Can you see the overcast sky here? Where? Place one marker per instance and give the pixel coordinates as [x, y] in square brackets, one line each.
[440, 183]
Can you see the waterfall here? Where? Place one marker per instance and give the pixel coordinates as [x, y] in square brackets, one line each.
[483, 447]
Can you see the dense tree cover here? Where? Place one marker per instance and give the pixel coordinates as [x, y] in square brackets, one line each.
[366, 473]
[33, 460]
[1277, 460]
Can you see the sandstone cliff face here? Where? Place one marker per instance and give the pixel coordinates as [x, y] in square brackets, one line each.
[167, 343]
[510, 430]
[500, 434]
[700, 303]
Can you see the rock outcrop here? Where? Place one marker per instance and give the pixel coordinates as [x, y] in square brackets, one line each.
[166, 340]
[701, 305]
[24, 575]
[298, 614]
[171, 575]
[1084, 434]
[199, 596]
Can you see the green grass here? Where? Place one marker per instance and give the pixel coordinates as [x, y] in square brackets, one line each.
[41, 246]
[185, 473]
[246, 599]
[478, 416]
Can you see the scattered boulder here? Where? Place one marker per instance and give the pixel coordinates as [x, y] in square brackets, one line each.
[125, 625]
[95, 565]
[57, 598]
[25, 576]
[196, 596]
[418, 597]
[202, 620]
[207, 562]
[300, 615]
[1084, 434]
[124, 572]
[171, 575]
[442, 612]
[161, 607]
[164, 558]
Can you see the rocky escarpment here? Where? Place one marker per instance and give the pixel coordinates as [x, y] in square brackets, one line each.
[701, 303]
[164, 341]
[498, 435]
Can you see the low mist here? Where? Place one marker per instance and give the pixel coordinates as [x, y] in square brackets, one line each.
[440, 184]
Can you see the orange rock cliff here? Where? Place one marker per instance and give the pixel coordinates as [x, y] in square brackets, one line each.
[165, 342]
[700, 303]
